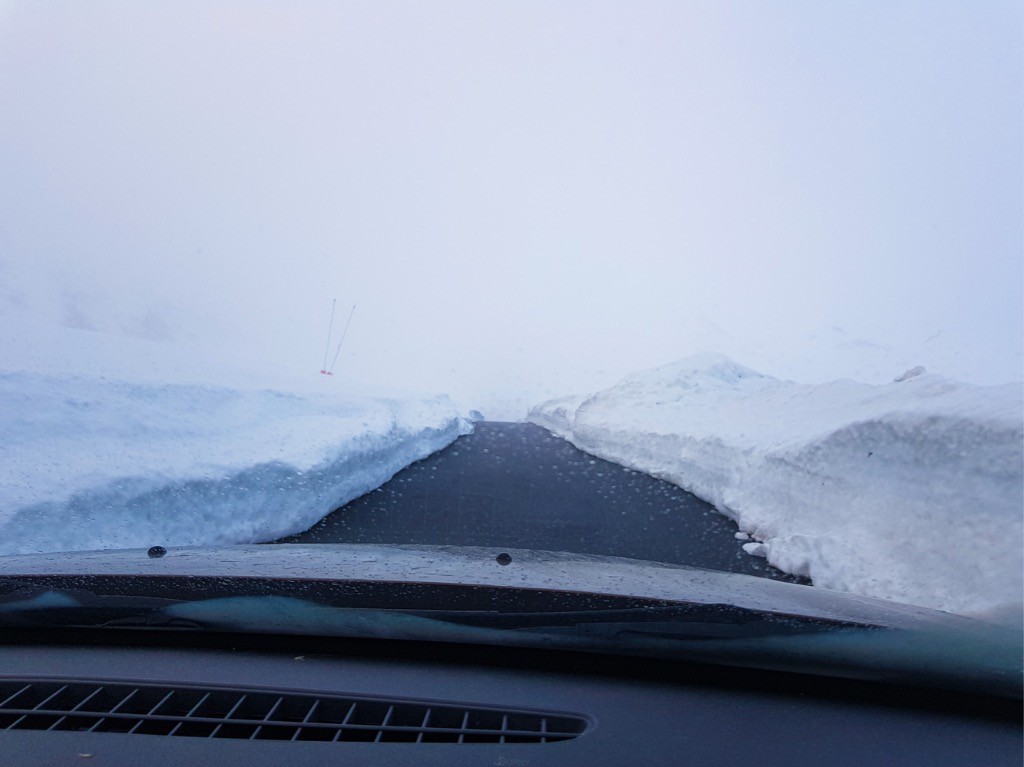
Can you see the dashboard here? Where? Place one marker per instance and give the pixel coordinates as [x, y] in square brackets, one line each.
[590, 709]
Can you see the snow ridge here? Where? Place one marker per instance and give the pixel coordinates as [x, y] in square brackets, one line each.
[88, 463]
[910, 491]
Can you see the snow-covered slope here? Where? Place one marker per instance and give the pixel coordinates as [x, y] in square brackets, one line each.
[910, 491]
[181, 452]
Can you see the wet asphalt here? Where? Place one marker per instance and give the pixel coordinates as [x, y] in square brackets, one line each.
[515, 485]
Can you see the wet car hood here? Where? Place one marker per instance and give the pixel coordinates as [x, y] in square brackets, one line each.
[849, 635]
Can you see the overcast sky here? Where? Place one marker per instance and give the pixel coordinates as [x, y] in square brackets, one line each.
[518, 196]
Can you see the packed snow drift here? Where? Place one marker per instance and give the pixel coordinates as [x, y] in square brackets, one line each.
[911, 491]
[91, 461]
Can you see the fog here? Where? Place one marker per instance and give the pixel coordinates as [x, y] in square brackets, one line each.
[521, 199]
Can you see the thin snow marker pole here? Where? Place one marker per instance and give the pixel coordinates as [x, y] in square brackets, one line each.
[343, 333]
[330, 327]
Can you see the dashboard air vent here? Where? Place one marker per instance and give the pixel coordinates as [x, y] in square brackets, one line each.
[266, 715]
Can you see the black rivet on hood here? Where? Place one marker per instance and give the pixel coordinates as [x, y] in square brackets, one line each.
[156, 552]
[503, 559]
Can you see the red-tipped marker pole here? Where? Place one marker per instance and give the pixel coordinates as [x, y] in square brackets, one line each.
[330, 370]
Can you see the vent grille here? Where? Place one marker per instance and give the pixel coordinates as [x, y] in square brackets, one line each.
[266, 715]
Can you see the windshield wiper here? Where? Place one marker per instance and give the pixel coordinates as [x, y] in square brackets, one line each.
[695, 621]
[961, 654]
[270, 613]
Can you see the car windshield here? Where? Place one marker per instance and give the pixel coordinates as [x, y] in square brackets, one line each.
[625, 325]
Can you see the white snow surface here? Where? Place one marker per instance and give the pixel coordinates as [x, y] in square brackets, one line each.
[910, 491]
[144, 445]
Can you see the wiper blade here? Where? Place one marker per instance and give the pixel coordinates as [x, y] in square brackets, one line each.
[151, 620]
[89, 617]
[274, 613]
[254, 600]
[964, 655]
[675, 620]
[84, 609]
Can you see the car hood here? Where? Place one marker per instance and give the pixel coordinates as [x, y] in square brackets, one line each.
[850, 635]
[510, 568]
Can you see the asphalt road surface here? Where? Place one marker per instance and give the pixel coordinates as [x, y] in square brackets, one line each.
[515, 485]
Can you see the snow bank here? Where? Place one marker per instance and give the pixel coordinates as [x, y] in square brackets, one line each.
[910, 491]
[88, 461]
